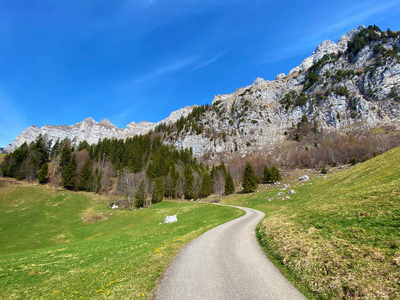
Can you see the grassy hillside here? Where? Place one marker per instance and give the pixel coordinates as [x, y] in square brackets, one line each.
[58, 245]
[337, 236]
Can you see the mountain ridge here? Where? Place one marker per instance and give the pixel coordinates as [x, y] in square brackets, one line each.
[336, 88]
[351, 84]
[91, 131]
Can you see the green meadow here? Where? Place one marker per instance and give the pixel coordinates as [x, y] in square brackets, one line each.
[59, 244]
[338, 236]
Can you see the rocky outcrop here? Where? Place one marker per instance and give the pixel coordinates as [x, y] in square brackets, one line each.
[336, 88]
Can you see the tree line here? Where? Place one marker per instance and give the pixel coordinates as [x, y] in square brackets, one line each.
[142, 169]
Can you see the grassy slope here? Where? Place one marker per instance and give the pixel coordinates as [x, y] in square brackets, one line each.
[2, 156]
[338, 237]
[47, 251]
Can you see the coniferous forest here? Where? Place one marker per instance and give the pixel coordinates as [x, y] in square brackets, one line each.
[135, 172]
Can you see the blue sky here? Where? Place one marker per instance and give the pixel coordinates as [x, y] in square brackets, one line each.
[135, 60]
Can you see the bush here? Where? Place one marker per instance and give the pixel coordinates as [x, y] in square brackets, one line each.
[353, 161]
[324, 170]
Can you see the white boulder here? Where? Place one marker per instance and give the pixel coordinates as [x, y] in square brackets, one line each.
[170, 219]
[304, 178]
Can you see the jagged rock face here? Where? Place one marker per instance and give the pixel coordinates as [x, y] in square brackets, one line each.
[341, 86]
[90, 131]
[346, 93]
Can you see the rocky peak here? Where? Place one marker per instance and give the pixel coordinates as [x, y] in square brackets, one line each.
[354, 31]
[258, 81]
[106, 122]
[176, 115]
[327, 47]
[88, 121]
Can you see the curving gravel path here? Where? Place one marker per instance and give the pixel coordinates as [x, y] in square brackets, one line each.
[226, 263]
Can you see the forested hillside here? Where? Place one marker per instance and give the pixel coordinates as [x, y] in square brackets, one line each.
[142, 170]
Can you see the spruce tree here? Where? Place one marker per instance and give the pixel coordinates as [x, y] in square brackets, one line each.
[68, 176]
[275, 174]
[43, 173]
[206, 185]
[140, 195]
[84, 183]
[250, 179]
[189, 180]
[65, 155]
[158, 192]
[214, 174]
[267, 174]
[223, 168]
[229, 184]
[96, 181]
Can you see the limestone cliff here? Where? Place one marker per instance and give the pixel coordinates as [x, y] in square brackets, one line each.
[352, 84]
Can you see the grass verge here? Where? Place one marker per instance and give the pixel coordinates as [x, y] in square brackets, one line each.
[338, 236]
[59, 245]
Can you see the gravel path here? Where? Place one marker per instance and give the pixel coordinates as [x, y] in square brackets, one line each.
[226, 263]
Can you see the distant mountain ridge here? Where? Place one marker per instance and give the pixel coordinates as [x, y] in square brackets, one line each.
[351, 84]
[91, 131]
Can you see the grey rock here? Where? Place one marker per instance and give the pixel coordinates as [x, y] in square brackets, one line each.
[170, 219]
[304, 178]
[280, 76]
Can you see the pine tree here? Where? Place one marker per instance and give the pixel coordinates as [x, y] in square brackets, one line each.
[158, 192]
[65, 155]
[229, 184]
[189, 180]
[69, 174]
[140, 195]
[84, 183]
[42, 152]
[275, 174]
[43, 173]
[223, 168]
[214, 174]
[96, 181]
[206, 185]
[250, 179]
[267, 174]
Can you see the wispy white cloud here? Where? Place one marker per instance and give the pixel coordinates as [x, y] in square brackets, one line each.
[358, 14]
[210, 61]
[339, 24]
[167, 68]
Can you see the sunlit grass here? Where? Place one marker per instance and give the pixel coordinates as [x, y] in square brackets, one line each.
[338, 236]
[47, 251]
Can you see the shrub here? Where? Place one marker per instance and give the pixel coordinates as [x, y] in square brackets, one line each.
[353, 161]
[324, 170]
